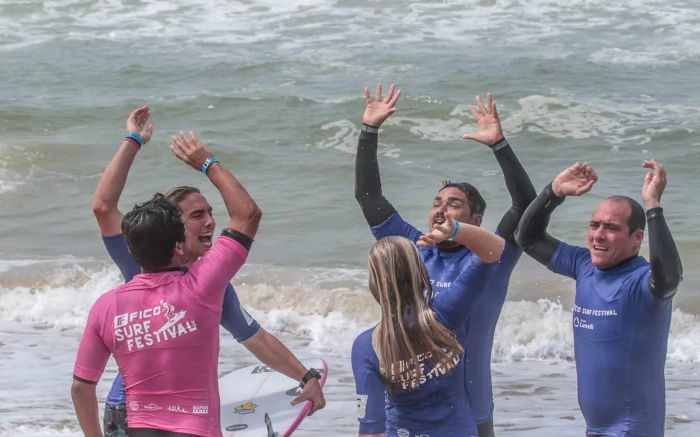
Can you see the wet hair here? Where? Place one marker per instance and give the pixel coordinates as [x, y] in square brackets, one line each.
[637, 218]
[176, 195]
[151, 231]
[477, 204]
[408, 331]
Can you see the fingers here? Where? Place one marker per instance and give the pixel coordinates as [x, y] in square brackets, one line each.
[475, 114]
[492, 105]
[395, 98]
[317, 405]
[390, 93]
[368, 98]
[297, 400]
[481, 105]
[657, 168]
[378, 92]
[426, 240]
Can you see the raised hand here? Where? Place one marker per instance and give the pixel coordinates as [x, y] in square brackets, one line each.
[575, 180]
[488, 129]
[439, 233]
[378, 110]
[137, 123]
[189, 149]
[654, 183]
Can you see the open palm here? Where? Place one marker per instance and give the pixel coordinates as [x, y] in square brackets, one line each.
[379, 109]
[488, 130]
[575, 180]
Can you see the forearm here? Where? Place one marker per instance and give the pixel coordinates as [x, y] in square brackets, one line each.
[109, 189]
[531, 234]
[666, 267]
[519, 187]
[85, 403]
[244, 214]
[486, 245]
[271, 352]
[368, 185]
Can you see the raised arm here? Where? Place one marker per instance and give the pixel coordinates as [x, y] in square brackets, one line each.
[531, 233]
[109, 188]
[521, 191]
[368, 184]
[666, 267]
[485, 244]
[244, 214]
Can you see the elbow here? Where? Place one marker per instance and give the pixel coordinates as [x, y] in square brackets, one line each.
[494, 255]
[100, 208]
[361, 197]
[253, 214]
[521, 239]
[665, 286]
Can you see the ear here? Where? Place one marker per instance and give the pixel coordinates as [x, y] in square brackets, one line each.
[638, 236]
[179, 249]
[476, 219]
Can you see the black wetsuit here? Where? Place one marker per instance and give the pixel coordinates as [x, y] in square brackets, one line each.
[378, 211]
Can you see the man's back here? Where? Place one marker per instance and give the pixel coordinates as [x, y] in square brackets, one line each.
[162, 329]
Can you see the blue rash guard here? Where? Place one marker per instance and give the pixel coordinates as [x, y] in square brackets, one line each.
[234, 318]
[439, 406]
[443, 268]
[620, 340]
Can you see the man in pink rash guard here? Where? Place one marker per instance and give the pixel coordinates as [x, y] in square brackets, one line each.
[163, 326]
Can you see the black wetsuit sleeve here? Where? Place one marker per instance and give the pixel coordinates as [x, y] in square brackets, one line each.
[666, 267]
[519, 186]
[532, 234]
[368, 184]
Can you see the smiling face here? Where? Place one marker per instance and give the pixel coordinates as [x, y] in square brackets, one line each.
[199, 225]
[609, 239]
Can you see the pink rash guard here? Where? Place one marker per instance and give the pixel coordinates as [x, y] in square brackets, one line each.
[163, 330]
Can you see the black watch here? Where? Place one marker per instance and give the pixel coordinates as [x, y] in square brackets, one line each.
[312, 373]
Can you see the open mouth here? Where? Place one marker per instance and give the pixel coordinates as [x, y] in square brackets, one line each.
[600, 248]
[206, 240]
[439, 219]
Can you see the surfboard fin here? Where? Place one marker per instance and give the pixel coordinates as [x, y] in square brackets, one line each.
[268, 424]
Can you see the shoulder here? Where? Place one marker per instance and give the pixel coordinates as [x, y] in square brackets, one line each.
[362, 348]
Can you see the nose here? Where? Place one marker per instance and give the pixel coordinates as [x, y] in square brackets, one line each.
[210, 221]
[599, 234]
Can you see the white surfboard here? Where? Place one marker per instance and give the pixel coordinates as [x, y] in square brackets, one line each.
[255, 401]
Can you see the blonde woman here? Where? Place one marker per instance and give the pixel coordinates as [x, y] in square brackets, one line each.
[409, 368]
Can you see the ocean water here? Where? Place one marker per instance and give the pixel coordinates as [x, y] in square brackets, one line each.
[274, 88]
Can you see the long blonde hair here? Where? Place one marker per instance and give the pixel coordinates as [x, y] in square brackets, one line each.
[408, 332]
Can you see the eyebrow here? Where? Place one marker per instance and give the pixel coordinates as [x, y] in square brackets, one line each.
[201, 211]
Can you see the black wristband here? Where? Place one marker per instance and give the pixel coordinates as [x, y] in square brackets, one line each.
[369, 128]
[243, 239]
[654, 212]
[499, 145]
[311, 374]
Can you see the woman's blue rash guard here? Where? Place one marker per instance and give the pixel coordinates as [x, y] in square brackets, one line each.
[234, 318]
[443, 268]
[439, 406]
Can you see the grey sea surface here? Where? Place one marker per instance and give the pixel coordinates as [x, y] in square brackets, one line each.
[274, 88]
